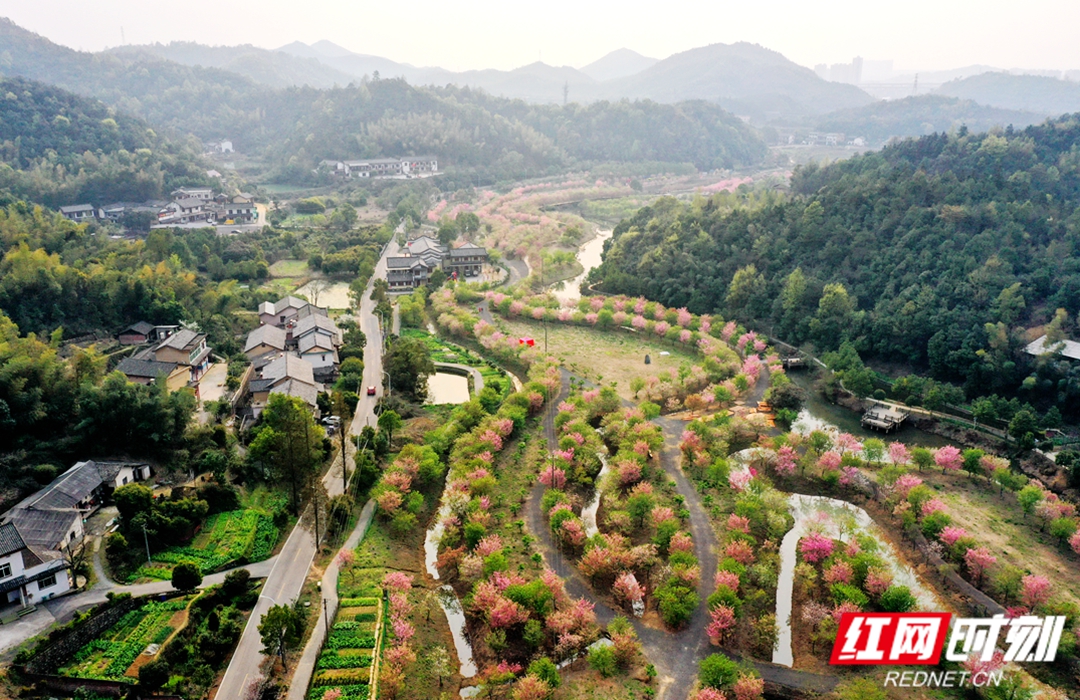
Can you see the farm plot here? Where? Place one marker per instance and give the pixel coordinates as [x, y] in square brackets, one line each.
[111, 655]
[346, 658]
[232, 537]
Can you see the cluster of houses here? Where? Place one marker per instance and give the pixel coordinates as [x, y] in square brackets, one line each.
[413, 166]
[189, 205]
[294, 351]
[180, 355]
[424, 255]
[38, 535]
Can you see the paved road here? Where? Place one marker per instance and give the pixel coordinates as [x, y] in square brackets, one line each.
[287, 577]
[305, 667]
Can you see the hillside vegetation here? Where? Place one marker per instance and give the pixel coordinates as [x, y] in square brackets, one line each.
[58, 148]
[1034, 93]
[936, 253]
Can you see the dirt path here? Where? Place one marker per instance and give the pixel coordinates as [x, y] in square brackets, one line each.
[675, 654]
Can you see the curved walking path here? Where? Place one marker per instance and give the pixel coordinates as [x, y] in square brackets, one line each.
[675, 654]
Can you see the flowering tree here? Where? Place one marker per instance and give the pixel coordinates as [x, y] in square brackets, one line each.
[898, 453]
[934, 505]
[815, 547]
[978, 560]
[840, 572]
[905, 483]
[785, 460]
[531, 688]
[948, 458]
[721, 619]
[748, 688]
[950, 534]
[1035, 592]
[727, 578]
[739, 480]
[738, 523]
[878, 580]
[829, 461]
[709, 694]
[553, 478]
[740, 551]
[847, 442]
[627, 588]
[1074, 542]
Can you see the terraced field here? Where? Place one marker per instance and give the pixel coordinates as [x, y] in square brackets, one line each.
[346, 659]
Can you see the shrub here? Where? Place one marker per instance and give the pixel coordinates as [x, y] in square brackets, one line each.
[897, 599]
[846, 593]
[718, 671]
[602, 660]
[546, 670]
[186, 577]
[677, 602]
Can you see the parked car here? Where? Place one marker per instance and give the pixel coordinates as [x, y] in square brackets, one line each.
[371, 391]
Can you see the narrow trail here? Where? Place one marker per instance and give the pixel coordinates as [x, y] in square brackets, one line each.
[674, 653]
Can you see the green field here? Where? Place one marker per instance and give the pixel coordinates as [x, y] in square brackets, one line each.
[346, 658]
[289, 268]
[226, 539]
[111, 655]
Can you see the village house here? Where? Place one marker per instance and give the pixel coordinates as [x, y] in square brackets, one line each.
[1066, 348]
[38, 530]
[203, 193]
[137, 371]
[79, 212]
[187, 348]
[265, 339]
[425, 255]
[286, 374]
[143, 332]
[286, 310]
[410, 166]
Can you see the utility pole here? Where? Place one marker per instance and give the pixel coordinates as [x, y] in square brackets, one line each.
[327, 613]
[146, 540]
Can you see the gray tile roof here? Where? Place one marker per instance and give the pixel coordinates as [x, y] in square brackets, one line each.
[289, 367]
[44, 528]
[315, 322]
[10, 539]
[141, 327]
[266, 335]
[144, 369]
[76, 208]
[182, 339]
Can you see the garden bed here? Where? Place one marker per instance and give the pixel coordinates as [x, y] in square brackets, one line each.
[347, 657]
[118, 648]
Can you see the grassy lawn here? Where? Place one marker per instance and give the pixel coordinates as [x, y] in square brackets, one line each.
[583, 683]
[600, 356]
[999, 523]
[289, 268]
[120, 646]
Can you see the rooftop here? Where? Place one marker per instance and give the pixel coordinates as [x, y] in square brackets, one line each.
[182, 339]
[1069, 348]
[149, 369]
[266, 335]
[141, 327]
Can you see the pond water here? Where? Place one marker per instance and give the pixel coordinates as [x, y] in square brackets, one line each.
[819, 414]
[589, 255]
[444, 387]
[837, 519]
[329, 296]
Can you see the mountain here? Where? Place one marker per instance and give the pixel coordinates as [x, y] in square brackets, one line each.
[918, 116]
[1048, 96]
[620, 63]
[273, 68]
[355, 65]
[749, 78]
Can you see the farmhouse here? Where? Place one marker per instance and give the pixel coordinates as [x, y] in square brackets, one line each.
[286, 374]
[139, 371]
[187, 348]
[286, 310]
[425, 255]
[265, 339]
[78, 212]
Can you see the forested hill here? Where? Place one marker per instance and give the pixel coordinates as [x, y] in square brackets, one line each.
[467, 129]
[58, 148]
[910, 252]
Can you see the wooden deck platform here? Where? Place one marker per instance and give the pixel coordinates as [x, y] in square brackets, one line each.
[883, 417]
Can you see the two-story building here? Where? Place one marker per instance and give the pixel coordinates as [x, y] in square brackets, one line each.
[286, 310]
[285, 374]
[265, 339]
[29, 575]
[203, 193]
[465, 261]
[187, 348]
[425, 255]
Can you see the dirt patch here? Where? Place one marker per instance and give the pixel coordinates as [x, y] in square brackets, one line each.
[177, 622]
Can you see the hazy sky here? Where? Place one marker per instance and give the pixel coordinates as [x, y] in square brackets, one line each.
[505, 34]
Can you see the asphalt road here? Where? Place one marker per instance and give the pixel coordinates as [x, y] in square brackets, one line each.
[293, 563]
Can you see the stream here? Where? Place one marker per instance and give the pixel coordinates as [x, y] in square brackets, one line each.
[448, 600]
[568, 292]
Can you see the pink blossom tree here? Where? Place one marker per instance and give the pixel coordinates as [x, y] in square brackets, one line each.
[847, 442]
[878, 580]
[738, 523]
[730, 579]
[1035, 591]
[748, 688]
[816, 547]
[840, 572]
[979, 560]
[709, 694]
[898, 453]
[786, 460]
[950, 534]
[721, 620]
[740, 551]
[1074, 542]
[948, 458]
[905, 483]
[829, 461]
[627, 589]
[934, 505]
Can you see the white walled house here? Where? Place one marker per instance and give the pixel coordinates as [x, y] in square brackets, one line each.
[29, 575]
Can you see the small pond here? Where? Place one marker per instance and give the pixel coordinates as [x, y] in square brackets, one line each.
[444, 387]
[333, 295]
